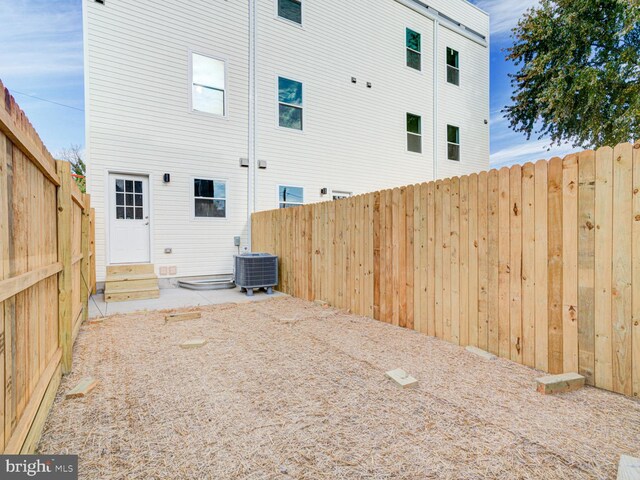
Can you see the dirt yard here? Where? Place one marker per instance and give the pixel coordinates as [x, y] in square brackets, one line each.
[287, 389]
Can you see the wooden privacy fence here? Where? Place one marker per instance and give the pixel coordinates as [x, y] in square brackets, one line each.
[538, 263]
[46, 276]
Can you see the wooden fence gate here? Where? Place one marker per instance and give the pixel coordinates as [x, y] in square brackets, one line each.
[538, 263]
[46, 276]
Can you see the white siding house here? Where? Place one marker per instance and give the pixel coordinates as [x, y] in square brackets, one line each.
[202, 111]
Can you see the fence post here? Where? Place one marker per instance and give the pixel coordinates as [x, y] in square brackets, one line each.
[85, 280]
[92, 249]
[65, 327]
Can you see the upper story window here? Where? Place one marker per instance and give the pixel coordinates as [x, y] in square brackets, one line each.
[289, 103]
[414, 133]
[453, 66]
[290, 196]
[210, 198]
[414, 49]
[207, 84]
[290, 10]
[453, 143]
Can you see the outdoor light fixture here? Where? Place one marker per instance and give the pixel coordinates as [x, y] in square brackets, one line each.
[354, 80]
[324, 191]
[166, 178]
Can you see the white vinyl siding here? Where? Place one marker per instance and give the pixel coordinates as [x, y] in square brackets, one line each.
[354, 138]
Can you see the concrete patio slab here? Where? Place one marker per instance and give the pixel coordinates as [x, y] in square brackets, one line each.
[171, 298]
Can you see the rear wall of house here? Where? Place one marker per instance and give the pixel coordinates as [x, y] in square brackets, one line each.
[139, 121]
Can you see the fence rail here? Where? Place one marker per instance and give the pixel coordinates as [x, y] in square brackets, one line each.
[45, 276]
[538, 263]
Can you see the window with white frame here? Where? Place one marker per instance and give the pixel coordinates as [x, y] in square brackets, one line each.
[414, 133]
[290, 10]
[290, 196]
[289, 103]
[453, 66]
[453, 143]
[207, 84]
[210, 198]
[340, 195]
[414, 49]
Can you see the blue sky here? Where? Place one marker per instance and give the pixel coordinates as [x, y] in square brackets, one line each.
[41, 56]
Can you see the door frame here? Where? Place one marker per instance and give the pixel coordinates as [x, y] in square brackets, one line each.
[108, 210]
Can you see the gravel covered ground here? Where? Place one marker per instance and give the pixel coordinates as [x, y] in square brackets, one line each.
[288, 389]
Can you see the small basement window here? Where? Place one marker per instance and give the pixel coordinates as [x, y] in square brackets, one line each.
[289, 103]
[340, 195]
[453, 67]
[414, 133]
[453, 143]
[290, 196]
[414, 49]
[290, 10]
[210, 198]
[207, 84]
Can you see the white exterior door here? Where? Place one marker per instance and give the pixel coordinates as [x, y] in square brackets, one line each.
[128, 219]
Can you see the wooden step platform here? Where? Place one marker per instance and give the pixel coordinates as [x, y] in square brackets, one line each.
[130, 282]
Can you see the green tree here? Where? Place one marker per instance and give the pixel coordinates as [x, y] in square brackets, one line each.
[579, 72]
[73, 155]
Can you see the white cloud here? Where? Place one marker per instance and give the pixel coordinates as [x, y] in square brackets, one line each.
[529, 151]
[40, 38]
[504, 15]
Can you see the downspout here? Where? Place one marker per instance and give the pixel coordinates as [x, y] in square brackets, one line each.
[251, 171]
[436, 81]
